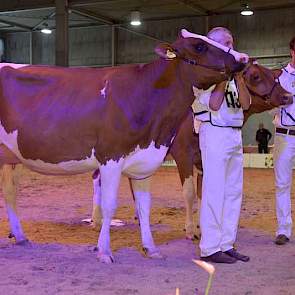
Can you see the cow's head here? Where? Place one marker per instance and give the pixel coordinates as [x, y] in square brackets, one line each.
[264, 86]
[207, 61]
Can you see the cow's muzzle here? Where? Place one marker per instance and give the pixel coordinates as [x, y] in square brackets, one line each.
[239, 67]
[287, 99]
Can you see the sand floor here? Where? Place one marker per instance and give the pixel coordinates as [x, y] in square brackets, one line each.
[61, 260]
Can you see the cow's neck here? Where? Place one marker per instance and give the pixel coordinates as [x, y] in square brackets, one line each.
[173, 87]
[176, 78]
[256, 108]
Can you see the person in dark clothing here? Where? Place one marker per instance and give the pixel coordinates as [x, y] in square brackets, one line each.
[263, 136]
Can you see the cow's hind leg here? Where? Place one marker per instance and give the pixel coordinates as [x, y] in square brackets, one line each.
[96, 208]
[96, 217]
[199, 197]
[141, 192]
[10, 176]
[110, 179]
[192, 232]
[136, 218]
[189, 195]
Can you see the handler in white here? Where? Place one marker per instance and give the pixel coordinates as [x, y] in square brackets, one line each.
[284, 153]
[221, 115]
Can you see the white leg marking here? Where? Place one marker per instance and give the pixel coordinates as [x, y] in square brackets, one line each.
[141, 190]
[110, 179]
[96, 209]
[9, 186]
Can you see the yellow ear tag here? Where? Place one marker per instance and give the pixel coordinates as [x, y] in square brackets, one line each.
[170, 54]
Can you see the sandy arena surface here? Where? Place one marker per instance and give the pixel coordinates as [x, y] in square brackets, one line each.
[61, 260]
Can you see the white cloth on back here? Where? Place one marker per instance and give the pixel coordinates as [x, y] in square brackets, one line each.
[230, 113]
[284, 156]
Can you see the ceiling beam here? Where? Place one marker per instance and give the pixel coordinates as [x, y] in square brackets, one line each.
[4, 26]
[14, 5]
[44, 20]
[195, 7]
[93, 16]
[62, 33]
[14, 24]
[28, 5]
[229, 3]
[261, 9]
[80, 3]
[111, 22]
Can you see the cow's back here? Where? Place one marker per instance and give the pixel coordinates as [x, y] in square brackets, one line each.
[62, 114]
[54, 110]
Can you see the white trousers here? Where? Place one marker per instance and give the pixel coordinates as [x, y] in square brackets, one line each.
[222, 158]
[284, 157]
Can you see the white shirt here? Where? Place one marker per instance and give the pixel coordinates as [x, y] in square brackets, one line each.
[230, 113]
[285, 116]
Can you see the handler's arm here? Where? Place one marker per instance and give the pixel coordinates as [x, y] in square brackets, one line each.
[244, 95]
[217, 96]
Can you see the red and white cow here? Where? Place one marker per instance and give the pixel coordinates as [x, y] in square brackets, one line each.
[119, 120]
[266, 93]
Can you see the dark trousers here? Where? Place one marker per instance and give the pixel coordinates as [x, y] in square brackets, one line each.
[262, 149]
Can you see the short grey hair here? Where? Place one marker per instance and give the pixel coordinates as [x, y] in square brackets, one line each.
[217, 30]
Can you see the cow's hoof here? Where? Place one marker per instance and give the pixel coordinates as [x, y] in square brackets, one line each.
[23, 242]
[189, 236]
[197, 237]
[104, 258]
[154, 254]
[88, 221]
[192, 237]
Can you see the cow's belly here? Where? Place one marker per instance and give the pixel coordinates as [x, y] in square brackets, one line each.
[63, 168]
[138, 164]
[144, 162]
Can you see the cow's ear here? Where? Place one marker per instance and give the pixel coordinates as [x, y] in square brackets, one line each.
[277, 73]
[253, 61]
[164, 50]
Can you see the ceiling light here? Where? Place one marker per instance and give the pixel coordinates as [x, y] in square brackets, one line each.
[46, 30]
[246, 11]
[135, 18]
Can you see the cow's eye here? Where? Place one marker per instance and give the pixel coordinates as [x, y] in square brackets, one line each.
[255, 78]
[201, 47]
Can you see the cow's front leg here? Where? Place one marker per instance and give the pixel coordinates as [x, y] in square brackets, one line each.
[10, 176]
[110, 175]
[141, 192]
